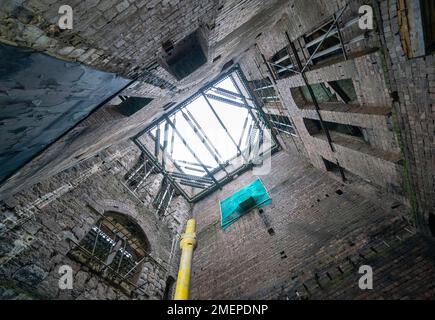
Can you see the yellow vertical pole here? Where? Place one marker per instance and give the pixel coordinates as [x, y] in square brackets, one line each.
[187, 245]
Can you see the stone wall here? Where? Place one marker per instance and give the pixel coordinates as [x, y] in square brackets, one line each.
[41, 225]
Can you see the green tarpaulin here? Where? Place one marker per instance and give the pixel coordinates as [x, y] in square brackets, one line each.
[252, 196]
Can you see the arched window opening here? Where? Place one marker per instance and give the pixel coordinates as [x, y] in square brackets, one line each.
[115, 248]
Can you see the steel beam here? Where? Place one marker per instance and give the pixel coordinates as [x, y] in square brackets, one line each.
[193, 184]
[227, 93]
[204, 141]
[243, 129]
[165, 145]
[191, 151]
[191, 177]
[223, 125]
[191, 163]
[227, 101]
[316, 105]
[204, 134]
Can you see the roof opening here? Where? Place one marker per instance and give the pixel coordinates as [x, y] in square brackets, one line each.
[210, 138]
[183, 58]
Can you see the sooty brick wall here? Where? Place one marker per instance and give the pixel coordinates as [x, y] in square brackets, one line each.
[40, 226]
[412, 79]
[323, 230]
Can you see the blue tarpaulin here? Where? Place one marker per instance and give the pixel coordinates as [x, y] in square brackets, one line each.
[252, 196]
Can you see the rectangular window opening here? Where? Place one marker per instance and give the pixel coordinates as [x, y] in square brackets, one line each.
[326, 47]
[314, 127]
[428, 17]
[331, 92]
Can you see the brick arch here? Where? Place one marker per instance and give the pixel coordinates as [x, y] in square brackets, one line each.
[118, 224]
[109, 205]
[128, 220]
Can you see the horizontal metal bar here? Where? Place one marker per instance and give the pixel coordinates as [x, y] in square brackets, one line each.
[226, 93]
[283, 68]
[333, 32]
[193, 169]
[192, 184]
[327, 51]
[191, 163]
[282, 59]
[263, 88]
[356, 39]
[224, 100]
[293, 134]
[190, 177]
[271, 97]
[317, 40]
[282, 124]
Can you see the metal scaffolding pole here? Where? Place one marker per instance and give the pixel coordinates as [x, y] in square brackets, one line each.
[168, 186]
[137, 170]
[204, 134]
[340, 37]
[243, 129]
[169, 202]
[144, 178]
[157, 143]
[321, 42]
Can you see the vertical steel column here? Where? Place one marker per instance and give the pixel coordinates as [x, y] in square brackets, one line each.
[165, 145]
[340, 37]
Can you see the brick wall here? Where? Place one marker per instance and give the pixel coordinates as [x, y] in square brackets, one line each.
[323, 230]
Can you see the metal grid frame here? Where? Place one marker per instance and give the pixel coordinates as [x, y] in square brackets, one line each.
[118, 277]
[208, 183]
